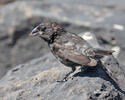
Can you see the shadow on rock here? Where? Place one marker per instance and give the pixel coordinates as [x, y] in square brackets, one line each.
[99, 71]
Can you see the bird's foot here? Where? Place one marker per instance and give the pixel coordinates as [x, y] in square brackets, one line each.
[63, 80]
[71, 74]
[66, 78]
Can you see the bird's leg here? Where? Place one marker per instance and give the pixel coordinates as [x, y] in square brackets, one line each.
[77, 69]
[67, 75]
[71, 73]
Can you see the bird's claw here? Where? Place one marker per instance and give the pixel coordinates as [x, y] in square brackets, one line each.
[66, 79]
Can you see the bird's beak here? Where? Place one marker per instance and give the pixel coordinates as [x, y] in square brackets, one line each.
[34, 32]
[30, 34]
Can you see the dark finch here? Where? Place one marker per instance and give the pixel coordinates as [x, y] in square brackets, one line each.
[69, 49]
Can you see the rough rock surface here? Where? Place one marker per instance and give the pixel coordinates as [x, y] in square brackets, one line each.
[37, 80]
[3, 2]
[110, 63]
[115, 71]
[15, 46]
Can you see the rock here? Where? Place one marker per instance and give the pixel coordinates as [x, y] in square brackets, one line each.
[111, 65]
[115, 71]
[37, 80]
[116, 50]
[15, 24]
[5, 54]
[28, 48]
[3, 2]
[90, 38]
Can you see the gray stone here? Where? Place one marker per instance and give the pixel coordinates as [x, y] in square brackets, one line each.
[15, 24]
[37, 80]
[28, 48]
[3, 2]
[114, 70]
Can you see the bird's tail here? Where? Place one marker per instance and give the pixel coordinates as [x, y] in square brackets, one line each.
[100, 52]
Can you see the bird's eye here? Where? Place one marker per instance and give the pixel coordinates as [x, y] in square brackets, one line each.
[38, 28]
[43, 28]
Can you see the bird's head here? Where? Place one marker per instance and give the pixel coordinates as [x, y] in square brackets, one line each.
[46, 30]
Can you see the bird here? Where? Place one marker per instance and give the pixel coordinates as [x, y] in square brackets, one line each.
[70, 49]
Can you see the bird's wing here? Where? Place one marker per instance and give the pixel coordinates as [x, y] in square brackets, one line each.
[86, 49]
[70, 53]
